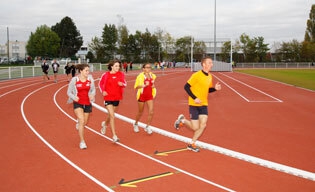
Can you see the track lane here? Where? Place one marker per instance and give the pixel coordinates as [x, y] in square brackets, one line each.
[233, 173]
[53, 135]
[25, 162]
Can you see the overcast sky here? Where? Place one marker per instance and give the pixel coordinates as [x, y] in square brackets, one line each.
[275, 20]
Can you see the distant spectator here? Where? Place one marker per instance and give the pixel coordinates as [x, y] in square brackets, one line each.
[45, 68]
[73, 69]
[55, 66]
[68, 68]
[125, 65]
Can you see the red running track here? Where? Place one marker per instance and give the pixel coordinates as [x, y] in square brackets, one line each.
[253, 116]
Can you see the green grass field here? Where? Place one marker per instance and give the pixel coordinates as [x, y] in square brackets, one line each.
[304, 78]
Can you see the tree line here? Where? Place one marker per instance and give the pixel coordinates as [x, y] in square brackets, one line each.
[64, 40]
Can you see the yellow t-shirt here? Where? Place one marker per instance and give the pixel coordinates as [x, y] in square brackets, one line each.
[200, 84]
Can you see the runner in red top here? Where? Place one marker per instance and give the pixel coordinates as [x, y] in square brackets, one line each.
[112, 85]
[81, 92]
[146, 92]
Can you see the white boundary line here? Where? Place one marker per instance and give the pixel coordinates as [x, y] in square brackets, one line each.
[277, 100]
[251, 159]
[290, 85]
[221, 150]
[18, 89]
[257, 161]
[138, 152]
[232, 88]
[54, 149]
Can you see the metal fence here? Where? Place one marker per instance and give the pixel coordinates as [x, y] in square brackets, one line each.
[217, 66]
[276, 65]
[33, 71]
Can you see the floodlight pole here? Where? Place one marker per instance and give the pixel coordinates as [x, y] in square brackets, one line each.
[8, 47]
[231, 53]
[215, 23]
[191, 53]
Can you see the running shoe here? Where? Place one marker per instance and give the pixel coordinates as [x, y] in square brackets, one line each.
[193, 148]
[83, 145]
[115, 139]
[178, 122]
[103, 130]
[135, 128]
[148, 130]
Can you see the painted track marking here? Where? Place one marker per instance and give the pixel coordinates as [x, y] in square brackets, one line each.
[54, 149]
[138, 152]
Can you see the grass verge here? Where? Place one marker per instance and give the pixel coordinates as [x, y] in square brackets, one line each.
[304, 78]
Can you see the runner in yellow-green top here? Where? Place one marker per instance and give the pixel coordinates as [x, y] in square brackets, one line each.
[198, 87]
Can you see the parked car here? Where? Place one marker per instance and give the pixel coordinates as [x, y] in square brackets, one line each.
[4, 60]
[15, 60]
[64, 60]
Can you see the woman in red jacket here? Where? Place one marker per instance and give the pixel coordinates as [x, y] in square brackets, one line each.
[112, 85]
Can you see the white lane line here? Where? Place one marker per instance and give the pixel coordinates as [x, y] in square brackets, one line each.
[10, 84]
[251, 159]
[253, 88]
[138, 152]
[242, 96]
[6, 93]
[54, 149]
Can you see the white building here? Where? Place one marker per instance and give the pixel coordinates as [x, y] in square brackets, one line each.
[81, 54]
[17, 49]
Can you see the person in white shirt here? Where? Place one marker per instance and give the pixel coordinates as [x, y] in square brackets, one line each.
[55, 66]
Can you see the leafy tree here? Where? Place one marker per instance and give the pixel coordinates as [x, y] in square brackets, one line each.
[261, 48]
[44, 42]
[183, 49]
[310, 26]
[124, 41]
[71, 40]
[225, 51]
[149, 46]
[244, 45]
[169, 44]
[135, 46]
[154, 48]
[308, 51]
[97, 48]
[90, 56]
[199, 50]
[159, 33]
[109, 40]
[253, 50]
[291, 51]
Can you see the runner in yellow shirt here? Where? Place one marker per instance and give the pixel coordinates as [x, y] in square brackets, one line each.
[198, 87]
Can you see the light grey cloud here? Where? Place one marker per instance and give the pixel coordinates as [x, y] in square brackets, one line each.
[275, 20]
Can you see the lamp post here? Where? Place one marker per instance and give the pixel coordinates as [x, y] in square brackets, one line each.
[8, 45]
[215, 41]
[159, 59]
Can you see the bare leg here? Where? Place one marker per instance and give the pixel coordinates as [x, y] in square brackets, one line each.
[80, 116]
[140, 111]
[197, 126]
[151, 111]
[55, 77]
[201, 127]
[111, 118]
